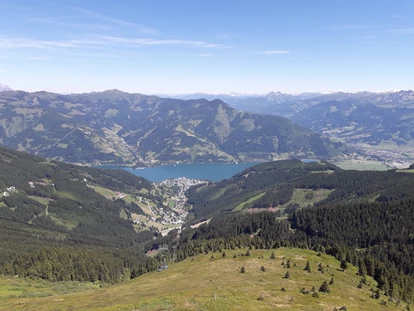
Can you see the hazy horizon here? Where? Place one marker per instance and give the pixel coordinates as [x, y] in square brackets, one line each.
[230, 93]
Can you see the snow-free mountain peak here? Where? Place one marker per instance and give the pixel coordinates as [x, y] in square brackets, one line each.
[4, 87]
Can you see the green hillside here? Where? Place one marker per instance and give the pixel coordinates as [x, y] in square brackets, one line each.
[261, 186]
[63, 223]
[357, 216]
[379, 123]
[56, 224]
[212, 282]
[290, 184]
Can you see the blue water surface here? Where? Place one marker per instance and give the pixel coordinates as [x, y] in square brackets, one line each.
[205, 171]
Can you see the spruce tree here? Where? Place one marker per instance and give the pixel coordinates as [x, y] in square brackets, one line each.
[287, 275]
[344, 265]
[324, 288]
[362, 269]
[308, 268]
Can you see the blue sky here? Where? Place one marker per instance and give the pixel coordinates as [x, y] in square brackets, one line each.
[207, 46]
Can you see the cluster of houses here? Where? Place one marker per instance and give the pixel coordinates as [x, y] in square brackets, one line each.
[396, 158]
[182, 184]
[172, 217]
[8, 191]
[33, 184]
[145, 221]
[176, 213]
[120, 195]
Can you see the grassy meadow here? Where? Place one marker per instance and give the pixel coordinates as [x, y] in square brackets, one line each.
[361, 165]
[211, 282]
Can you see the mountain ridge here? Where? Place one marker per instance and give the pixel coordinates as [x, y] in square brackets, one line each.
[378, 124]
[4, 87]
[116, 127]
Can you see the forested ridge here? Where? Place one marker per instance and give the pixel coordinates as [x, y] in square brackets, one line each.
[377, 238]
[54, 226]
[266, 178]
[273, 184]
[366, 220]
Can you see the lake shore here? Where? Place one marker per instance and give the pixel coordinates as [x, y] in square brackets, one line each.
[200, 171]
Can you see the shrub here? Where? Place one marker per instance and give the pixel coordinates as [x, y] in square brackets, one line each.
[324, 288]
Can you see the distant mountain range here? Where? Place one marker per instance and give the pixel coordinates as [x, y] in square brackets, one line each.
[114, 127]
[288, 104]
[373, 118]
[4, 87]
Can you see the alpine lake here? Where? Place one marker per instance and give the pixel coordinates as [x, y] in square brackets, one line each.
[201, 171]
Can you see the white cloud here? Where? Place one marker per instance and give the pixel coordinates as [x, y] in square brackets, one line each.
[98, 43]
[48, 19]
[38, 58]
[92, 15]
[13, 43]
[88, 26]
[402, 31]
[274, 52]
[99, 16]
[78, 25]
[355, 26]
[148, 41]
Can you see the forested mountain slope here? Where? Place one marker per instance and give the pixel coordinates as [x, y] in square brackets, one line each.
[375, 237]
[290, 184]
[363, 217]
[360, 123]
[122, 128]
[55, 225]
[379, 119]
[266, 182]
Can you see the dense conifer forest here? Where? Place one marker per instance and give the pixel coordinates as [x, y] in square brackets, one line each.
[369, 236]
[366, 220]
[79, 235]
